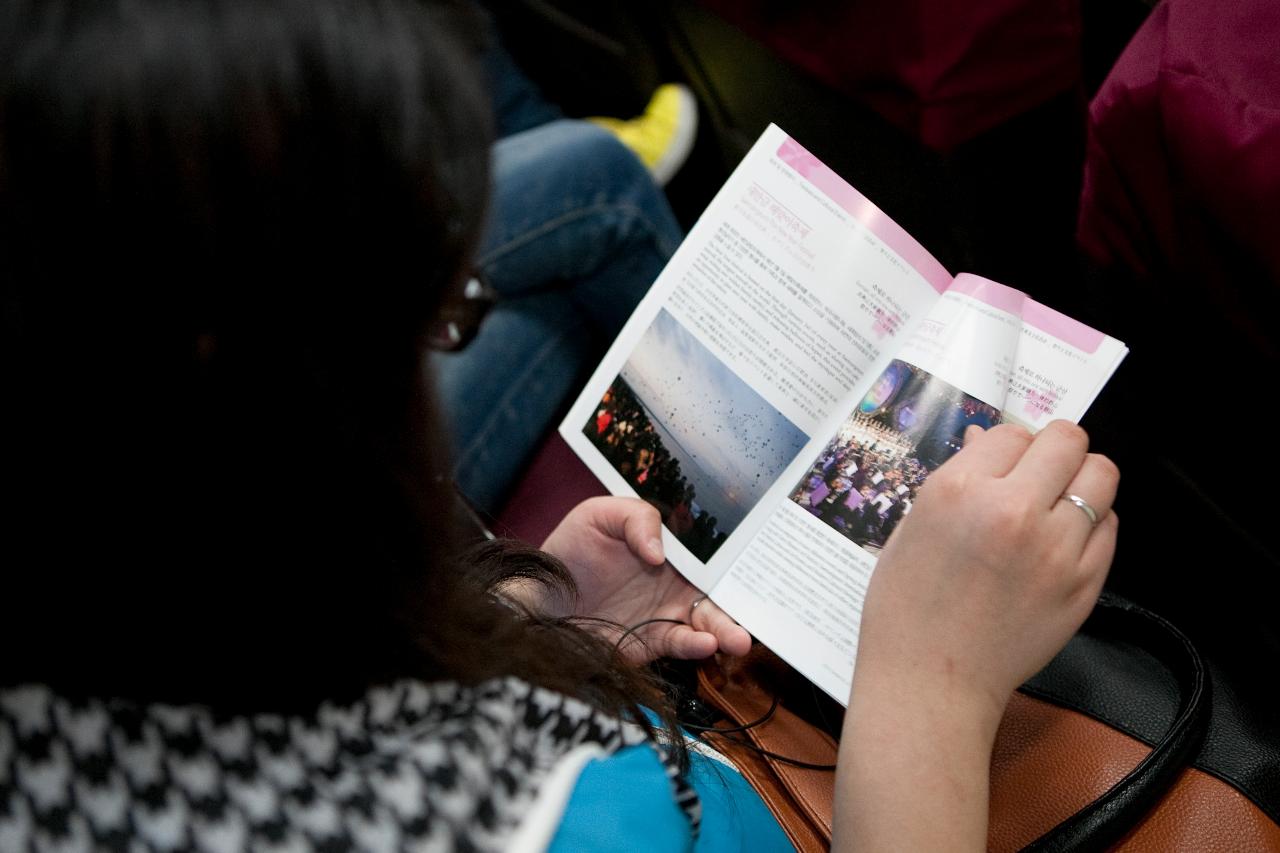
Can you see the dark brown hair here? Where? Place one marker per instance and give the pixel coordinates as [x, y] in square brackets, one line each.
[224, 226]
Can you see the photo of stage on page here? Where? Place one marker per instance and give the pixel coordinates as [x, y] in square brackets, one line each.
[909, 423]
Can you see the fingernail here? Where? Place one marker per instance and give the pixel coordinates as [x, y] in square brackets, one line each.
[655, 548]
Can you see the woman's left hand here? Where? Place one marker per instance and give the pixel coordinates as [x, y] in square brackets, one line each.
[613, 548]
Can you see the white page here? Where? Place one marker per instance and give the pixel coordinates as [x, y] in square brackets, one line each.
[787, 292]
[982, 351]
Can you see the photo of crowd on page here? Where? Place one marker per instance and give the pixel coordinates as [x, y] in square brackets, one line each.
[865, 480]
[690, 436]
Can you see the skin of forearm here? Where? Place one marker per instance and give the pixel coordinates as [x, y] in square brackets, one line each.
[914, 765]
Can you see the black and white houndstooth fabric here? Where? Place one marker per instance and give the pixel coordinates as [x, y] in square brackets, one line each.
[410, 766]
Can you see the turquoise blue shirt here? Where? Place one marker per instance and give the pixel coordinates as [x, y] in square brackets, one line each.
[624, 802]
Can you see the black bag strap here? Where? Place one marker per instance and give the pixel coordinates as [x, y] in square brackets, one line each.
[1104, 821]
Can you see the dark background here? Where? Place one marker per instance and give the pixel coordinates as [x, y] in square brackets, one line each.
[1196, 496]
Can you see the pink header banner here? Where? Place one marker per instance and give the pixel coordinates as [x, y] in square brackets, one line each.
[851, 201]
[1015, 302]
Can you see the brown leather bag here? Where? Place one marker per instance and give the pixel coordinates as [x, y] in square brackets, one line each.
[800, 798]
[1060, 780]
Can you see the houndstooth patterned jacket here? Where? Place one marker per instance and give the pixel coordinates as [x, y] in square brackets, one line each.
[410, 766]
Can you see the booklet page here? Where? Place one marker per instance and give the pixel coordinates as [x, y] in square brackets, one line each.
[790, 289]
[983, 354]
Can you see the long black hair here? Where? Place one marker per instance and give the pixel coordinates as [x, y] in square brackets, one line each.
[224, 226]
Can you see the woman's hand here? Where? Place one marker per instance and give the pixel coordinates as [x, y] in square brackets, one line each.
[985, 580]
[613, 549]
[993, 572]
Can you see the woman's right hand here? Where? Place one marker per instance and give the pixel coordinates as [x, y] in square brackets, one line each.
[992, 572]
[985, 580]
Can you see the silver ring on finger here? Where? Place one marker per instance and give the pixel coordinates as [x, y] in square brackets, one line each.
[694, 606]
[1083, 505]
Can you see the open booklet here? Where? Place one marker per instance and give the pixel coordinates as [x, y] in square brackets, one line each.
[790, 380]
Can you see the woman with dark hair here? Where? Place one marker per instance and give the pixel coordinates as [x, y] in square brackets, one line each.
[234, 614]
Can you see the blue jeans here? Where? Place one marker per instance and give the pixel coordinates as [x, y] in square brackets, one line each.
[577, 233]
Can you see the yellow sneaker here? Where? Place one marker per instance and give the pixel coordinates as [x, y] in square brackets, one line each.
[663, 136]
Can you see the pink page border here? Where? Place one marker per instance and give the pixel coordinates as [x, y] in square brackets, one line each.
[997, 295]
[1042, 317]
[862, 209]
